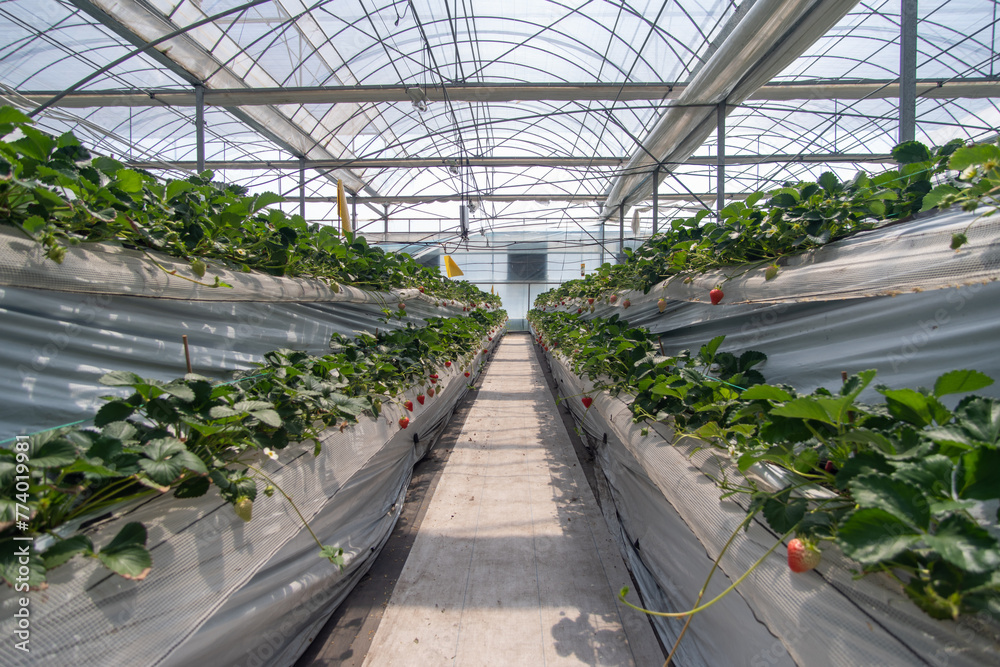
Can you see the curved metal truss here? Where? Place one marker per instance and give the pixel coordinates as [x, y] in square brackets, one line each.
[546, 113]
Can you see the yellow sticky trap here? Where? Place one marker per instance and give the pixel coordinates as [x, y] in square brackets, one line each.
[451, 267]
[345, 218]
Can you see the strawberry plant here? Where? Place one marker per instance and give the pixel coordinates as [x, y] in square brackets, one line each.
[59, 194]
[976, 183]
[793, 218]
[187, 435]
[912, 479]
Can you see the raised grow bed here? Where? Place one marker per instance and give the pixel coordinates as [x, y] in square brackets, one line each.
[219, 515]
[838, 390]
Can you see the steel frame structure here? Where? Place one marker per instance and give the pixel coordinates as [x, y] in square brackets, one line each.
[554, 102]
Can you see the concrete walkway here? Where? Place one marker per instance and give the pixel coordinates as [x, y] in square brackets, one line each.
[513, 564]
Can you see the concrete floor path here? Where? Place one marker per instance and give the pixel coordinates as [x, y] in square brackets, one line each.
[513, 563]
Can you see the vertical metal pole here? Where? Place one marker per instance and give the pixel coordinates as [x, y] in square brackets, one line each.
[908, 71]
[302, 187]
[354, 211]
[720, 169]
[385, 225]
[656, 199]
[199, 124]
[621, 232]
[603, 225]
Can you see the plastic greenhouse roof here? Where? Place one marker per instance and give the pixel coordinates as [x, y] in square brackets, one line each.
[544, 113]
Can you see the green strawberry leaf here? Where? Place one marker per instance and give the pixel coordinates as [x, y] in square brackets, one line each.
[962, 381]
[902, 500]
[872, 535]
[963, 543]
[805, 407]
[180, 389]
[765, 392]
[269, 417]
[121, 379]
[980, 419]
[63, 550]
[49, 450]
[864, 436]
[915, 408]
[129, 181]
[982, 474]
[783, 514]
[126, 554]
[968, 156]
[193, 487]
[113, 411]
[933, 198]
[167, 459]
[909, 152]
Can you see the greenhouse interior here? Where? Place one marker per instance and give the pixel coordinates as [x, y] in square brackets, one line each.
[597, 332]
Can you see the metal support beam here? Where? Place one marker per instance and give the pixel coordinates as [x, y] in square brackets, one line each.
[761, 43]
[908, 71]
[524, 161]
[656, 199]
[545, 200]
[354, 211]
[621, 233]
[189, 59]
[302, 187]
[199, 125]
[875, 89]
[603, 226]
[385, 220]
[720, 166]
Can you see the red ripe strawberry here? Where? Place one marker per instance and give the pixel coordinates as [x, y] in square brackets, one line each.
[434, 380]
[420, 399]
[661, 304]
[802, 555]
[626, 303]
[716, 296]
[447, 364]
[404, 422]
[434, 375]
[402, 306]
[579, 310]
[485, 351]
[408, 405]
[466, 373]
[430, 392]
[421, 289]
[590, 301]
[587, 400]
[614, 297]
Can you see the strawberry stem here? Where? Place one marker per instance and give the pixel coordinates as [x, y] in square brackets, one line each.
[288, 498]
[682, 614]
[704, 587]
